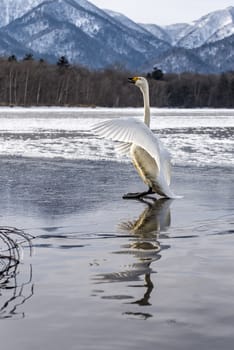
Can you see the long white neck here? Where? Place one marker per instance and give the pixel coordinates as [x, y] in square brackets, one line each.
[145, 93]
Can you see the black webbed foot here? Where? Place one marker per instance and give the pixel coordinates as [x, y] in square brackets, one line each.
[138, 195]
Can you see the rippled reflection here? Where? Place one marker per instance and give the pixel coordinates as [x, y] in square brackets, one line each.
[144, 246]
[155, 218]
[16, 285]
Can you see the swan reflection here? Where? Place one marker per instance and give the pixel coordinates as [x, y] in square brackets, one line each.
[144, 246]
[16, 285]
[155, 218]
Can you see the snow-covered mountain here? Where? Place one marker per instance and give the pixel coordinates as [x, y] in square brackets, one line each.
[204, 46]
[127, 22]
[179, 60]
[210, 28]
[8, 46]
[12, 9]
[215, 57]
[220, 53]
[158, 32]
[99, 38]
[176, 31]
[84, 33]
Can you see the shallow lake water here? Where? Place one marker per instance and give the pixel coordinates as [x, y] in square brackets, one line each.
[107, 273]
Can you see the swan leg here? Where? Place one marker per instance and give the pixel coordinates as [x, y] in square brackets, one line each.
[138, 194]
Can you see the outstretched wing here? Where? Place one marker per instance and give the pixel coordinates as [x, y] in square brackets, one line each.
[130, 131]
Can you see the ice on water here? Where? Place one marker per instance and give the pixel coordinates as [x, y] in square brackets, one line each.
[198, 137]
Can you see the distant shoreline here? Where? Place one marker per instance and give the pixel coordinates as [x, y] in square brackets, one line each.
[81, 107]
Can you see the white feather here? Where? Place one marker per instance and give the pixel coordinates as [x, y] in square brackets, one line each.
[123, 148]
[130, 131]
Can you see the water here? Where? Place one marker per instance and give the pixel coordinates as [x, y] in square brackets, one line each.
[106, 273]
[196, 137]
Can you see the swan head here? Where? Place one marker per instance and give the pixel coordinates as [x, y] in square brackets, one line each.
[140, 82]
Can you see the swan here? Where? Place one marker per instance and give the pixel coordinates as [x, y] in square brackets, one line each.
[150, 158]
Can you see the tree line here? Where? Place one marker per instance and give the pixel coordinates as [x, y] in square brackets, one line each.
[30, 82]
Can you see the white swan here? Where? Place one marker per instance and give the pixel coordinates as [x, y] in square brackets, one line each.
[150, 158]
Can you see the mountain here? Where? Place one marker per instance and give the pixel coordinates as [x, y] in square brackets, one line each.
[127, 22]
[10, 46]
[220, 53]
[213, 27]
[84, 33]
[217, 57]
[179, 60]
[98, 38]
[158, 32]
[176, 31]
[210, 28]
[12, 9]
[205, 46]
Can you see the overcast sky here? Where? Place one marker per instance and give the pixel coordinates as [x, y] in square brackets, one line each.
[163, 11]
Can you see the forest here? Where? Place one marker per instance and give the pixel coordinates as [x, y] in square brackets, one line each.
[31, 82]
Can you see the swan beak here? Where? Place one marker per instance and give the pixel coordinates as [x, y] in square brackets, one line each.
[132, 80]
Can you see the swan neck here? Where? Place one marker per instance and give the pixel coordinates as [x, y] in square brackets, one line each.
[146, 106]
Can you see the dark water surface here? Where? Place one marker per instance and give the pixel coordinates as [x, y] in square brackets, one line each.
[112, 274]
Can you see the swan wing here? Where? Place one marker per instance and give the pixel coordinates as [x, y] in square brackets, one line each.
[165, 162]
[166, 165]
[131, 131]
[123, 148]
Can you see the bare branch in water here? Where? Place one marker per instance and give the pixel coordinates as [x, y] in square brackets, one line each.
[16, 293]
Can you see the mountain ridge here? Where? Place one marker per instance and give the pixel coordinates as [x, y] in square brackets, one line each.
[99, 38]
[60, 28]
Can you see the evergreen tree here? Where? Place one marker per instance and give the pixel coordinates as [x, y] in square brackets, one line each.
[63, 62]
[12, 58]
[157, 74]
[28, 57]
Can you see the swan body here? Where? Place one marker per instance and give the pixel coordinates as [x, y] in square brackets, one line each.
[150, 158]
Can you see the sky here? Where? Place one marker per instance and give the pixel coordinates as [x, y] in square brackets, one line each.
[163, 12]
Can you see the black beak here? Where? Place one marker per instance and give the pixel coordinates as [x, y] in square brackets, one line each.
[131, 80]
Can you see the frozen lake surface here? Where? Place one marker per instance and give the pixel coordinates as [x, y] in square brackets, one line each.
[197, 137]
[107, 273]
